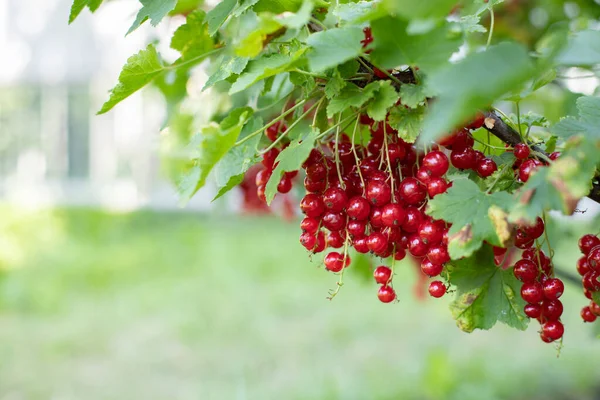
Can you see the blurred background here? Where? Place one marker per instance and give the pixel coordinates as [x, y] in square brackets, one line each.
[110, 290]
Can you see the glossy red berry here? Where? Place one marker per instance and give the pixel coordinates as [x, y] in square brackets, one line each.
[412, 191]
[334, 221]
[533, 310]
[423, 175]
[335, 240]
[382, 274]
[590, 281]
[416, 246]
[553, 330]
[554, 156]
[312, 205]
[378, 193]
[310, 225]
[536, 230]
[436, 162]
[356, 228]
[526, 271]
[358, 208]
[521, 151]
[262, 177]
[386, 294]
[587, 315]
[413, 219]
[335, 199]
[314, 186]
[437, 289]
[527, 168]
[462, 140]
[553, 288]
[377, 242]
[284, 185]
[321, 243]
[552, 309]
[361, 245]
[595, 308]
[532, 292]
[392, 215]
[269, 158]
[463, 159]
[477, 121]
[586, 242]
[582, 266]
[593, 258]
[274, 130]
[431, 269]
[431, 231]
[486, 167]
[308, 240]
[334, 261]
[436, 186]
[438, 254]
[396, 152]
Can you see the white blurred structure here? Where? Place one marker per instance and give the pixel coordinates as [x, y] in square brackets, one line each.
[53, 78]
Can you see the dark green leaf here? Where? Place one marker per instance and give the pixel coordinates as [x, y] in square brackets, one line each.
[155, 10]
[414, 95]
[264, 67]
[407, 122]
[219, 14]
[485, 294]
[385, 97]
[191, 39]
[394, 46]
[334, 85]
[587, 124]
[78, 6]
[474, 83]
[333, 47]
[140, 70]
[227, 66]
[351, 96]
[350, 12]
[476, 216]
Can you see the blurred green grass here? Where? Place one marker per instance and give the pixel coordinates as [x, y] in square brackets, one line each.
[157, 305]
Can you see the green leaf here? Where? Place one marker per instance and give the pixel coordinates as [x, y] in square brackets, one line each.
[485, 294]
[333, 47]
[414, 96]
[588, 123]
[210, 145]
[393, 46]
[583, 49]
[141, 69]
[155, 10]
[78, 6]
[243, 6]
[280, 6]
[503, 180]
[229, 172]
[470, 24]
[265, 67]
[299, 19]
[192, 39]
[351, 12]
[334, 85]
[219, 14]
[385, 97]
[252, 45]
[290, 159]
[227, 66]
[407, 122]
[476, 216]
[474, 83]
[420, 9]
[351, 96]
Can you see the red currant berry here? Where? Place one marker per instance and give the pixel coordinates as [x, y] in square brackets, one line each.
[521, 151]
[377, 242]
[553, 288]
[386, 294]
[356, 228]
[269, 158]
[582, 266]
[526, 271]
[552, 310]
[533, 310]
[335, 240]
[334, 221]
[378, 193]
[436, 162]
[586, 242]
[312, 205]
[536, 230]
[593, 258]
[486, 167]
[399, 254]
[335, 199]
[438, 254]
[437, 186]
[413, 219]
[361, 245]
[382, 274]
[358, 208]
[396, 152]
[262, 177]
[423, 175]
[274, 130]
[412, 191]
[309, 225]
[554, 156]
[532, 292]
[431, 231]
[416, 246]
[284, 185]
[437, 289]
[334, 262]
[587, 315]
[527, 168]
[463, 159]
[462, 140]
[321, 243]
[392, 215]
[260, 193]
[477, 121]
[522, 240]
[431, 269]
[595, 308]
[590, 281]
[553, 330]
[314, 186]
[308, 240]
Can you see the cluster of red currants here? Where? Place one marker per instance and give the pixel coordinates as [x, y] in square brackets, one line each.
[525, 166]
[372, 198]
[540, 289]
[588, 267]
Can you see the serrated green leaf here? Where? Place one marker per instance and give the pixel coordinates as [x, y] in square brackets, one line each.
[551, 144]
[243, 6]
[219, 14]
[588, 123]
[470, 24]
[192, 39]
[351, 96]
[474, 83]
[420, 9]
[582, 49]
[155, 10]
[485, 294]
[503, 180]
[334, 85]
[298, 19]
[227, 66]
[252, 44]
[79, 5]
[476, 216]
[290, 159]
[350, 12]
[407, 122]
[414, 96]
[393, 46]
[209, 146]
[229, 171]
[265, 67]
[303, 80]
[141, 69]
[334, 47]
[384, 98]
